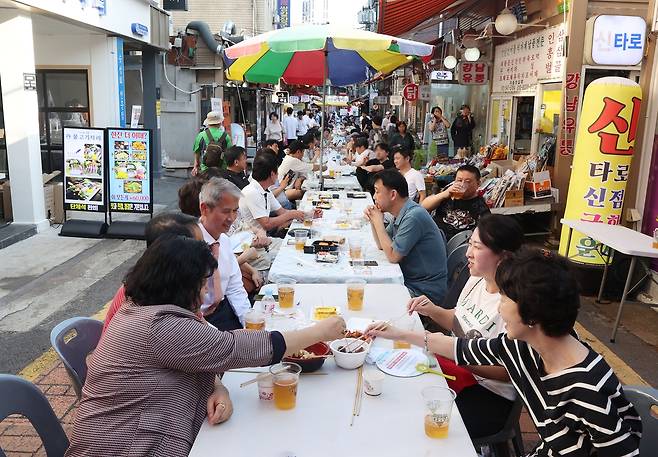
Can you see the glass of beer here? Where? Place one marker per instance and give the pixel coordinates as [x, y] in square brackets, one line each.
[286, 378]
[438, 407]
[407, 323]
[300, 240]
[355, 247]
[457, 191]
[308, 218]
[286, 287]
[355, 291]
[254, 320]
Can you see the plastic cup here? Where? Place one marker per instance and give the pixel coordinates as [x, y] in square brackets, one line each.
[265, 386]
[438, 407]
[373, 381]
[286, 287]
[356, 245]
[300, 240]
[254, 320]
[308, 218]
[355, 292]
[457, 191]
[286, 378]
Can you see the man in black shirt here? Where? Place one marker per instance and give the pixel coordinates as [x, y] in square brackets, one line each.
[365, 173]
[461, 130]
[236, 159]
[459, 207]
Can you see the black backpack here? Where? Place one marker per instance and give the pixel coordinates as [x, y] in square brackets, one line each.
[216, 147]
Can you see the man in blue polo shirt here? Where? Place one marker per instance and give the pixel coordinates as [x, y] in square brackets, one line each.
[412, 240]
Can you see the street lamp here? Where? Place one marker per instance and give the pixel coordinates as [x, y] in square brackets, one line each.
[450, 62]
[506, 22]
[472, 54]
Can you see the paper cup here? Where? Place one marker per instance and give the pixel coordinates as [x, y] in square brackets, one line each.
[373, 381]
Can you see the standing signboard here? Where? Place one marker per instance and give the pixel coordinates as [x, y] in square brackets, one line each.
[84, 167]
[130, 183]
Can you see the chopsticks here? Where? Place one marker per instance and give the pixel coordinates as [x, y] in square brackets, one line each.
[379, 327]
[358, 396]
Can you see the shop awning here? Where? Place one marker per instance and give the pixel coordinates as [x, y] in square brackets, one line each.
[399, 16]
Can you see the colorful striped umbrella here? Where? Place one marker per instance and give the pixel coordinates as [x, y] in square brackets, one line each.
[305, 54]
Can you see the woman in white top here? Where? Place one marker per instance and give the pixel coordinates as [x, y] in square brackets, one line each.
[481, 390]
[415, 180]
[274, 129]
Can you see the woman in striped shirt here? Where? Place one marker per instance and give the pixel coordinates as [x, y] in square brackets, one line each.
[572, 395]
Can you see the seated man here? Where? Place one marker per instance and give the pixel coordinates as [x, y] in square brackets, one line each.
[258, 202]
[365, 173]
[459, 207]
[415, 180]
[412, 240]
[296, 170]
[276, 147]
[236, 166]
[362, 154]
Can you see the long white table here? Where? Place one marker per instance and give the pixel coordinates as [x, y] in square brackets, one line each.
[290, 263]
[389, 425]
[621, 239]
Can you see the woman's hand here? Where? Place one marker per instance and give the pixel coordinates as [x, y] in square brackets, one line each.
[257, 278]
[331, 328]
[422, 305]
[219, 405]
[385, 331]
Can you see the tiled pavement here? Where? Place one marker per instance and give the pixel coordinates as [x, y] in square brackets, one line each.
[19, 439]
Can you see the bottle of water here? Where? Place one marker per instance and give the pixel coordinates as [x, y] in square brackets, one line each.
[268, 302]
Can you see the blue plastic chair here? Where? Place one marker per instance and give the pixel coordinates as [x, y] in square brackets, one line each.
[643, 399]
[74, 351]
[22, 397]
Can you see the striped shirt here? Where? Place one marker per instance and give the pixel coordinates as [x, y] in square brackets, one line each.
[580, 411]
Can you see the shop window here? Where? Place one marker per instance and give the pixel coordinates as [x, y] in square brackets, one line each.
[63, 102]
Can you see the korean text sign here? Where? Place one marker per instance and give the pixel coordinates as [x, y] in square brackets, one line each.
[84, 167]
[605, 143]
[129, 153]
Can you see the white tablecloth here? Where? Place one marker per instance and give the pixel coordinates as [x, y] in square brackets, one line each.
[342, 183]
[390, 425]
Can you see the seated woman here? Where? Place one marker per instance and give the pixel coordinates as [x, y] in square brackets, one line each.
[571, 393]
[476, 316]
[150, 379]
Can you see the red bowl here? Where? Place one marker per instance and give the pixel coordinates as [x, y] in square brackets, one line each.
[314, 364]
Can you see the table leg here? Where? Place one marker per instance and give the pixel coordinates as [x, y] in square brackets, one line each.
[606, 264]
[629, 278]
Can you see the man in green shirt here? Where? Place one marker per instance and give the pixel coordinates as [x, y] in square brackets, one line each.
[213, 124]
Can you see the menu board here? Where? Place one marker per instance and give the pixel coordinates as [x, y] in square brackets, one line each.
[521, 63]
[130, 185]
[84, 180]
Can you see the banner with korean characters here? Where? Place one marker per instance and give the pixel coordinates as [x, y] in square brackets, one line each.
[472, 73]
[130, 183]
[521, 63]
[84, 169]
[605, 142]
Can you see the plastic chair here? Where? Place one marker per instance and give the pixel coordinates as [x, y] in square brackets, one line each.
[74, 352]
[450, 300]
[22, 397]
[643, 399]
[511, 431]
[456, 261]
[457, 240]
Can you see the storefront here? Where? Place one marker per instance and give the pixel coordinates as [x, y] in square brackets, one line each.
[69, 69]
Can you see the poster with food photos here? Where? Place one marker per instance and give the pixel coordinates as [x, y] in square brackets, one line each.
[84, 172]
[130, 185]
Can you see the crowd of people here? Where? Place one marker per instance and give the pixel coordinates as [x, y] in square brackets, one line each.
[508, 336]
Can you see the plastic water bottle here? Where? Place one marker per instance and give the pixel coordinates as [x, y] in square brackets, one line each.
[268, 302]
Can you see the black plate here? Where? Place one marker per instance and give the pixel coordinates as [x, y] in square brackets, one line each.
[328, 246]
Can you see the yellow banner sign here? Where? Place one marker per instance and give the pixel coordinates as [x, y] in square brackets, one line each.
[605, 143]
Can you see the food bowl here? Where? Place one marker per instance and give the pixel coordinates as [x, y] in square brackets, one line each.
[311, 364]
[349, 360]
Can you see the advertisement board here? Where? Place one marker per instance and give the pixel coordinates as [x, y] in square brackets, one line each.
[130, 186]
[605, 143]
[84, 169]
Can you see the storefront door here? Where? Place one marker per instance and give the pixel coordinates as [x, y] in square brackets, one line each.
[500, 117]
[63, 102]
[523, 113]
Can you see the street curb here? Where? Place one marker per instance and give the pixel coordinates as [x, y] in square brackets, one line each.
[46, 360]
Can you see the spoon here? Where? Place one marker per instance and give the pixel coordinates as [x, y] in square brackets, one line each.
[423, 368]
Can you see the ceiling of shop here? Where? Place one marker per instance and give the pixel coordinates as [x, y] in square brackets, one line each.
[44, 25]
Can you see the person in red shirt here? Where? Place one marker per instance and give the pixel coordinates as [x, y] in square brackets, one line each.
[168, 223]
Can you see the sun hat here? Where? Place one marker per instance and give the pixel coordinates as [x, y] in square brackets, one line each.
[214, 118]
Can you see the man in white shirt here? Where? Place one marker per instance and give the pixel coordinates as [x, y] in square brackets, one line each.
[415, 180]
[226, 302]
[257, 202]
[361, 151]
[309, 122]
[290, 125]
[302, 126]
[297, 169]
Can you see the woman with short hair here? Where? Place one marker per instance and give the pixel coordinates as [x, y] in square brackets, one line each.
[573, 397]
[149, 381]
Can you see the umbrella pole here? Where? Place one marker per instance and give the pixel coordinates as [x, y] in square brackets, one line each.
[324, 115]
